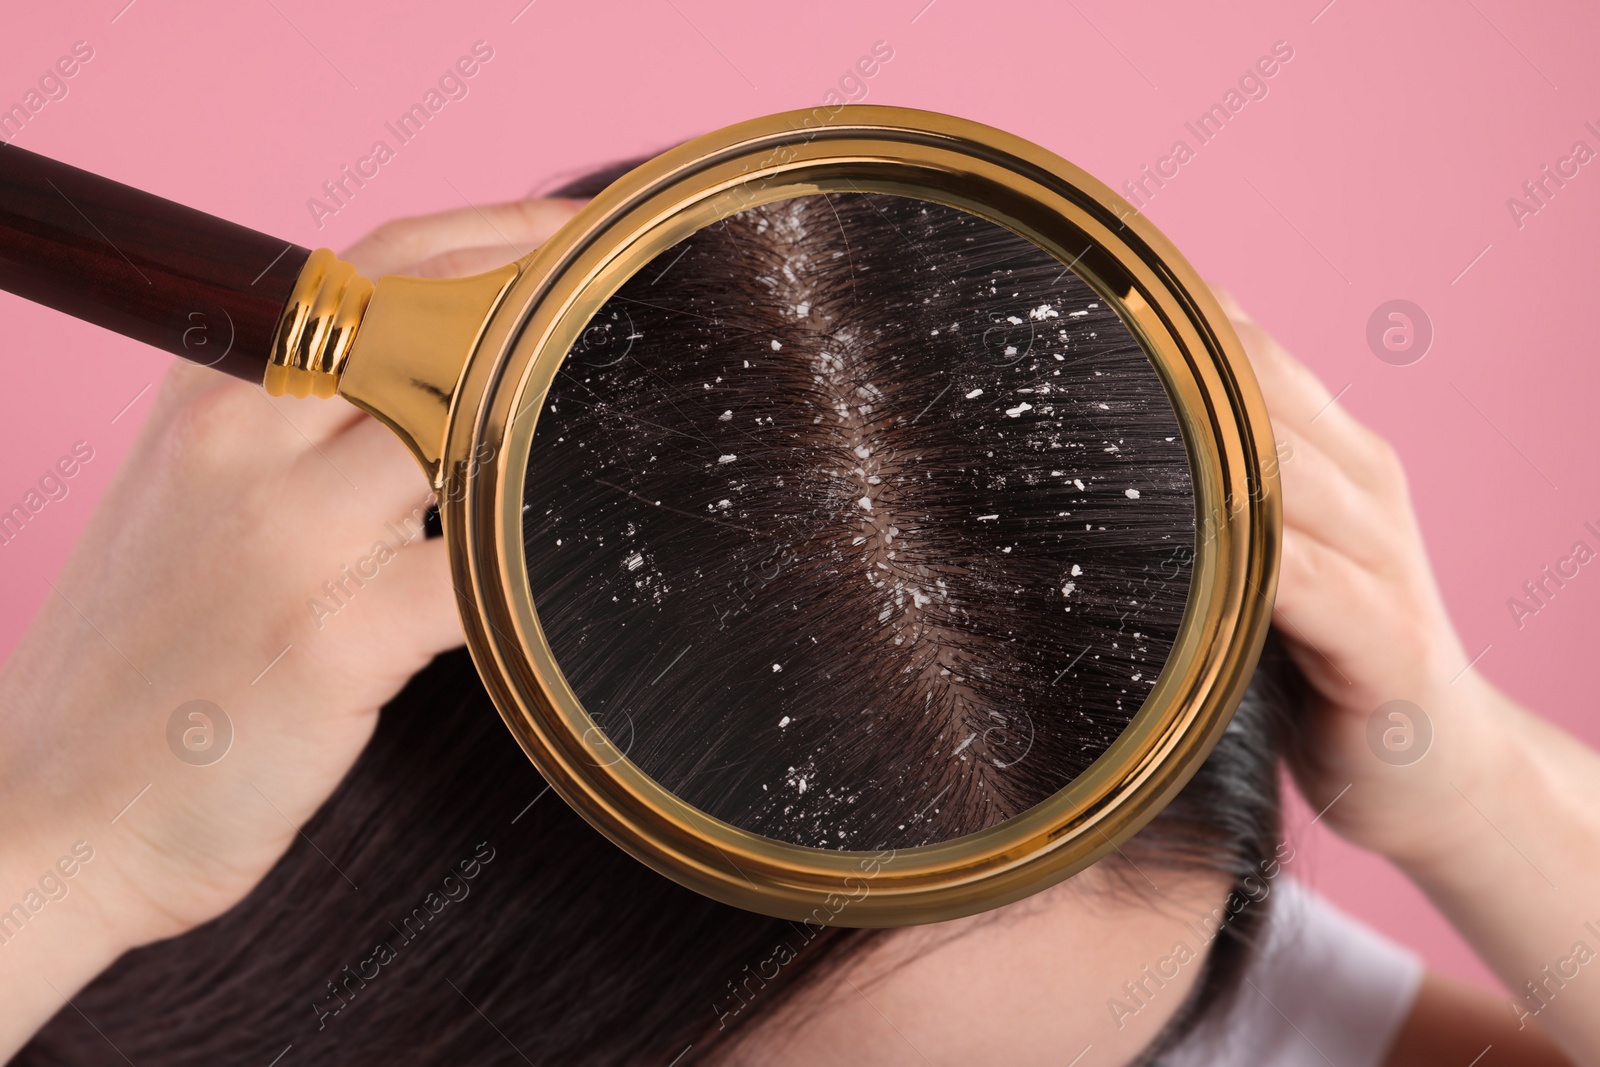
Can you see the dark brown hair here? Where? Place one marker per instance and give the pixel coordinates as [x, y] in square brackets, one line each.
[492, 925]
[865, 523]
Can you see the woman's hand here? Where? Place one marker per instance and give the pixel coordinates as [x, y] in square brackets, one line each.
[1498, 818]
[265, 556]
[1360, 612]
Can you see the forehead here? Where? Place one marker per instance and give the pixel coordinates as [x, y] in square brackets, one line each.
[1038, 981]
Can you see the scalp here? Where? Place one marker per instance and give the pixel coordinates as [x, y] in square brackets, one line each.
[910, 511]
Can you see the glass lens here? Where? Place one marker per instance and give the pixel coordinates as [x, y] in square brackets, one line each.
[859, 522]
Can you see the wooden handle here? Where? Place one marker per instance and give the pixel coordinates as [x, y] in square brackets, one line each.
[170, 276]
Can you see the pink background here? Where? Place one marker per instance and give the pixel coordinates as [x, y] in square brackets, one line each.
[1378, 167]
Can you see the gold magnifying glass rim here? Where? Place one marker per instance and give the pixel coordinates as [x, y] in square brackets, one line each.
[1006, 180]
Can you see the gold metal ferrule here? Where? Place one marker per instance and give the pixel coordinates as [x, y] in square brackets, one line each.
[317, 328]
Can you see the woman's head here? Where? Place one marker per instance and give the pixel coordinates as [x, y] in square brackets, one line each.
[557, 947]
[859, 522]
[1084, 963]
[576, 953]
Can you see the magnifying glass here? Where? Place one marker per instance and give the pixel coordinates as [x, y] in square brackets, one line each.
[861, 516]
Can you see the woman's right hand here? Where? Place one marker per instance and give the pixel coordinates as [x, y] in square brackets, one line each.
[262, 555]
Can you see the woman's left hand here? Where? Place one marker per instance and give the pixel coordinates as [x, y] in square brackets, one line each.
[1492, 811]
[1361, 614]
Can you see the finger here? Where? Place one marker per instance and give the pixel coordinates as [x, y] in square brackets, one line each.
[315, 419]
[184, 380]
[517, 227]
[1294, 394]
[1300, 394]
[382, 470]
[1230, 305]
[1324, 601]
[458, 263]
[306, 421]
[1296, 397]
[395, 609]
[183, 384]
[223, 423]
[1320, 500]
[413, 605]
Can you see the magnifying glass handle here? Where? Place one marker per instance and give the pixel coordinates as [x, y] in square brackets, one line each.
[250, 305]
[186, 282]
